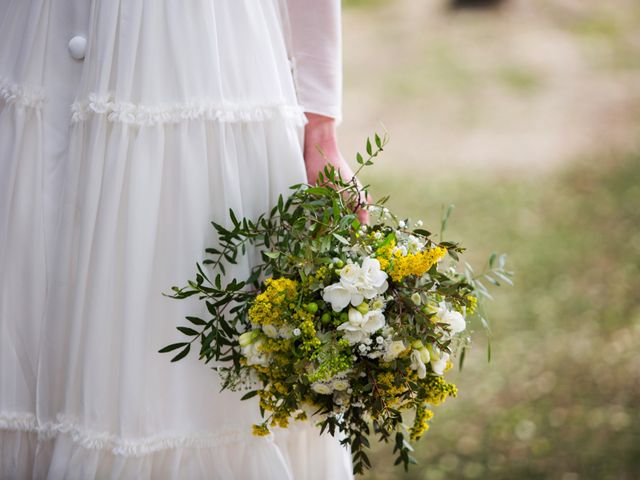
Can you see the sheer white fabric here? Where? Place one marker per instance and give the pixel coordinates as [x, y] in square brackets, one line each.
[110, 170]
[316, 54]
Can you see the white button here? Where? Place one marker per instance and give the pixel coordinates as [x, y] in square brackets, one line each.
[77, 47]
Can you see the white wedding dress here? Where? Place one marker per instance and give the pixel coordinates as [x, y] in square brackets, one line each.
[126, 126]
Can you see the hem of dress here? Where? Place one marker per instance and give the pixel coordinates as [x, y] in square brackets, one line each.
[136, 447]
[141, 115]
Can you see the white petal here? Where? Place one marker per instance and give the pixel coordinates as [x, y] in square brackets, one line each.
[338, 296]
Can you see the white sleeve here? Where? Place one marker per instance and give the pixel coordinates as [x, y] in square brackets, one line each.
[316, 55]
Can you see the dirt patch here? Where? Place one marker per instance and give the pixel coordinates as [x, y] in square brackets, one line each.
[518, 90]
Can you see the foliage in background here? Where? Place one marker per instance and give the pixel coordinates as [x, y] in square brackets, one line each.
[563, 392]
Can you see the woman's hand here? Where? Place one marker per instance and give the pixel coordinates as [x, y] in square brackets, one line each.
[321, 149]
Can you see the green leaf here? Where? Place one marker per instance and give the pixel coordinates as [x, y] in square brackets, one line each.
[249, 395]
[188, 331]
[340, 238]
[378, 141]
[182, 354]
[196, 320]
[319, 191]
[462, 355]
[445, 220]
[172, 347]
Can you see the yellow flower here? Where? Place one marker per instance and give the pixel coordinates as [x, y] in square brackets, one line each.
[271, 306]
[260, 430]
[399, 266]
[421, 422]
[415, 263]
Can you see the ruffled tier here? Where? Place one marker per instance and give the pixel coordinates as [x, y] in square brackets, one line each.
[63, 451]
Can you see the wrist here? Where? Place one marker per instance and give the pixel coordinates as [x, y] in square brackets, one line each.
[320, 130]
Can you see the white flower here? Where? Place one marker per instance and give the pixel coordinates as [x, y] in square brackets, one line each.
[296, 332]
[402, 224]
[359, 327]
[322, 388]
[340, 384]
[363, 348]
[379, 340]
[356, 283]
[286, 331]
[393, 349]
[377, 304]
[418, 364]
[249, 337]
[254, 355]
[414, 245]
[337, 295]
[270, 331]
[454, 319]
[439, 360]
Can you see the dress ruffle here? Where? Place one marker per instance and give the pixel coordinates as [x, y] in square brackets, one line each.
[12, 93]
[146, 115]
[65, 450]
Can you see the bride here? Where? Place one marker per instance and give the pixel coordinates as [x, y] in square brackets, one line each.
[125, 128]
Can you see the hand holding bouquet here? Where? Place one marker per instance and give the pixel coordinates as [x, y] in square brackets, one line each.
[352, 325]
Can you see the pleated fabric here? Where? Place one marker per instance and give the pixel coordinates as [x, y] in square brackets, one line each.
[111, 169]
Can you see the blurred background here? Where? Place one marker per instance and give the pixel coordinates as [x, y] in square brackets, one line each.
[525, 115]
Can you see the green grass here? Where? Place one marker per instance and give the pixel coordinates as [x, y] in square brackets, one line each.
[560, 398]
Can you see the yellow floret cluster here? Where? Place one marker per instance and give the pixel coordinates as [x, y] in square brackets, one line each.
[399, 266]
[384, 253]
[421, 422]
[438, 390]
[415, 263]
[390, 389]
[271, 305]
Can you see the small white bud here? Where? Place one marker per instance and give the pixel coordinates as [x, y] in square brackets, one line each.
[296, 331]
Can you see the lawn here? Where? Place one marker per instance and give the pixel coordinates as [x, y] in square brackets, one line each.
[561, 395]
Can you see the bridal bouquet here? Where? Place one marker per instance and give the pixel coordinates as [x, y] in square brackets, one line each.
[352, 325]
